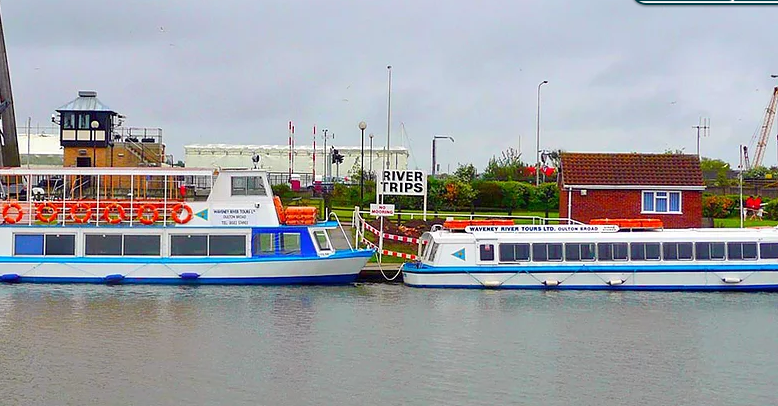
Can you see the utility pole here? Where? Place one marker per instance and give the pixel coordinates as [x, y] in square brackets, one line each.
[703, 125]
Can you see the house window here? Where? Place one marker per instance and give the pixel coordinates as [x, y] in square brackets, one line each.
[83, 122]
[69, 121]
[661, 202]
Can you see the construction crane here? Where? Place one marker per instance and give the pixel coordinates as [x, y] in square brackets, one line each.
[760, 137]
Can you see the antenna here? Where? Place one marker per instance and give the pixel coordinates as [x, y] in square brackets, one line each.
[702, 131]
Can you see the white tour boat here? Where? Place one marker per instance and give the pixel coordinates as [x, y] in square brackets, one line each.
[162, 225]
[644, 256]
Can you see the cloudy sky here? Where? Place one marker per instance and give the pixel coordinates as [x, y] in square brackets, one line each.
[623, 76]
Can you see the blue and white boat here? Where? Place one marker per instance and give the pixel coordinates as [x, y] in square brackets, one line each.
[608, 257]
[165, 226]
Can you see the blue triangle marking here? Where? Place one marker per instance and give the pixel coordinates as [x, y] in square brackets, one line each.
[202, 214]
[460, 254]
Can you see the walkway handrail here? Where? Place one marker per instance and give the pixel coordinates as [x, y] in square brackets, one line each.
[340, 225]
[538, 219]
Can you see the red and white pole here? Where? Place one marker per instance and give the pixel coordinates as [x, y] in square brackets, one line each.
[290, 151]
[314, 156]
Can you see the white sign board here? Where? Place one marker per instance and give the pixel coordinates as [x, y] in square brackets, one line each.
[234, 216]
[381, 210]
[573, 228]
[402, 183]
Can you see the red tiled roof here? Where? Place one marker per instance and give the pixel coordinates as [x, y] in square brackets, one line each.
[631, 169]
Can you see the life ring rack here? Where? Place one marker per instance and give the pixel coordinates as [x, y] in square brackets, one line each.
[177, 218]
[148, 208]
[82, 218]
[119, 211]
[53, 212]
[19, 213]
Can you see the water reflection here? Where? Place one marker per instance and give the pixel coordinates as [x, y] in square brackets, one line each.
[382, 344]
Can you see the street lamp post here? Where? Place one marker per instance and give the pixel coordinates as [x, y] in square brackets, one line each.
[362, 126]
[388, 115]
[434, 154]
[371, 155]
[537, 141]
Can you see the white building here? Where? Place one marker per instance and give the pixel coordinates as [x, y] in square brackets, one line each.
[275, 158]
[42, 148]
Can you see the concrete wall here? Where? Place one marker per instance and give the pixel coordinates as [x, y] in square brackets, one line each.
[627, 204]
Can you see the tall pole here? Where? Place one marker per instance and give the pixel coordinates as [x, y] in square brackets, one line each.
[326, 156]
[29, 120]
[371, 155]
[313, 157]
[388, 115]
[740, 181]
[537, 141]
[433, 156]
[362, 126]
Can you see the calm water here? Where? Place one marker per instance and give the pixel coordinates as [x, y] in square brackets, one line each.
[383, 345]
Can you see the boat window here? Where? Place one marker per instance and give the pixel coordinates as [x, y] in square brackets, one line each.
[741, 250]
[188, 245]
[546, 252]
[433, 250]
[28, 244]
[579, 252]
[645, 251]
[227, 245]
[486, 252]
[142, 245]
[103, 244]
[290, 243]
[321, 240]
[681, 251]
[265, 244]
[60, 244]
[514, 252]
[710, 251]
[248, 186]
[768, 250]
[612, 251]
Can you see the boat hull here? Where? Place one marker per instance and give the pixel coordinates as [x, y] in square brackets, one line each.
[755, 278]
[338, 269]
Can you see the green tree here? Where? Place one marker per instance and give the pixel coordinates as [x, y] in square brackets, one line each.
[514, 195]
[508, 166]
[458, 193]
[467, 173]
[710, 164]
[548, 196]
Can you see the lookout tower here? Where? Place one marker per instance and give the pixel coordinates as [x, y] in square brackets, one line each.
[91, 135]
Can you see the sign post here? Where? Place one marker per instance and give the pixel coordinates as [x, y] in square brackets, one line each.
[381, 210]
[402, 183]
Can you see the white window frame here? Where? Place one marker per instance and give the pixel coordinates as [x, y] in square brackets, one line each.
[666, 194]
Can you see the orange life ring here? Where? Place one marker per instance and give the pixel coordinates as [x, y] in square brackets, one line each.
[119, 210]
[19, 213]
[154, 214]
[177, 218]
[85, 217]
[44, 217]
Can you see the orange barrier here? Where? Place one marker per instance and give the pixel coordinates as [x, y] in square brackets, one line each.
[461, 224]
[300, 216]
[279, 209]
[629, 223]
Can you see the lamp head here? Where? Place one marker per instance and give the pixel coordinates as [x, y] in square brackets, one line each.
[362, 125]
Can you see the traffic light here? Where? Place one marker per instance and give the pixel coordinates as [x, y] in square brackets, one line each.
[337, 158]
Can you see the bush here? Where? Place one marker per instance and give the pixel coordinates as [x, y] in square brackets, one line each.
[717, 206]
[489, 194]
[282, 190]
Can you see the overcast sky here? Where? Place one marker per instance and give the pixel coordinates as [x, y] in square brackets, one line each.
[623, 77]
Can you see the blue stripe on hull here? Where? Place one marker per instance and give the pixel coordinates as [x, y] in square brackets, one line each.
[285, 280]
[751, 288]
[736, 267]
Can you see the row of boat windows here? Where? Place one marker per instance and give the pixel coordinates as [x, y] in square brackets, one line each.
[636, 251]
[181, 245]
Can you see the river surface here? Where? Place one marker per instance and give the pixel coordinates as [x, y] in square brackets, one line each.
[383, 345]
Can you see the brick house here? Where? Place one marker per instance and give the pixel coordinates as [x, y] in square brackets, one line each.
[664, 186]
